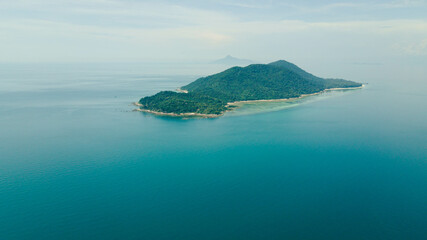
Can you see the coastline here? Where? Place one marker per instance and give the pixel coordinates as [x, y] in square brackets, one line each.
[181, 90]
[181, 114]
[236, 104]
[176, 114]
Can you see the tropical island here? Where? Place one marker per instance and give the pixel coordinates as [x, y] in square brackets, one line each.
[213, 95]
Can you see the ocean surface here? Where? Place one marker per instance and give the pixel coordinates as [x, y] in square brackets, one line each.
[76, 162]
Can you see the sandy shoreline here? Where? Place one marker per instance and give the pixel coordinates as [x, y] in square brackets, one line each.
[176, 114]
[181, 90]
[237, 103]
[181, 114]
[290, 99]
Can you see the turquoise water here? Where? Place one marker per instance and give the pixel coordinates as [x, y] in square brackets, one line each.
[78, 163]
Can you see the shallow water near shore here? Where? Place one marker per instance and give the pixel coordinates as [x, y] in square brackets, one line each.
[259, 107]
[77, 163]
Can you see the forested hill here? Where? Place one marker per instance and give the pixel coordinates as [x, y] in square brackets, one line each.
[276, 80]
[210, 95]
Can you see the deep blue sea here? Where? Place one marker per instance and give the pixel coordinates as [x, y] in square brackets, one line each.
[77, 163]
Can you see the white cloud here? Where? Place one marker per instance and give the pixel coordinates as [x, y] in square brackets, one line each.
[263, 5]
[404, 3]
[108, 28]
[414, 48]
[356, 6]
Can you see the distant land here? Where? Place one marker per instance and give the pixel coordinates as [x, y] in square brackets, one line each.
[213, 95]
[232, 61]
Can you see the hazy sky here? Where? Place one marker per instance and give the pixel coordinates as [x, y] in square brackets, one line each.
[362, 32]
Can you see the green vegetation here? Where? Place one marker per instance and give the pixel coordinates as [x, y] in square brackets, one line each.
[210, 95]
[173, 102]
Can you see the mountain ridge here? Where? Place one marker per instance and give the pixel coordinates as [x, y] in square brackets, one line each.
[230, 60]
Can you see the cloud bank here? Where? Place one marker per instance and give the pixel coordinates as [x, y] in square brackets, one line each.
[110, 30]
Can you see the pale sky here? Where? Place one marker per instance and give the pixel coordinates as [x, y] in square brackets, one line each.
[364, 32]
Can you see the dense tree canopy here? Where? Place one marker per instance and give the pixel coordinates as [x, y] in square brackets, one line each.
[173, 102]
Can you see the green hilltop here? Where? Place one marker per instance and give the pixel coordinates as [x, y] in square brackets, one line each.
[211, 94]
